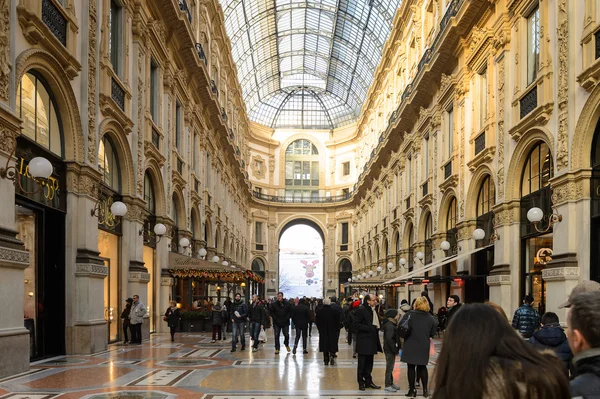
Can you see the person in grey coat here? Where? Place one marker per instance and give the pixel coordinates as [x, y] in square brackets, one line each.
[415, 351]
[136, 317]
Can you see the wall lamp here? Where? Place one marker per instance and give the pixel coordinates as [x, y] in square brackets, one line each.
[108, 211]
[39, 169]
[535, 215]
[160, 230]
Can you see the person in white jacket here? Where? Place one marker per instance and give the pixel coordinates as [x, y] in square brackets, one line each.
[136, 317]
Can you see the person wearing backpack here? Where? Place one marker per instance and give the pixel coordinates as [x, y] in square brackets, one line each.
[417, 343]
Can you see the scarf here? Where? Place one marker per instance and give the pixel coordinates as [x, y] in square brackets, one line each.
[375, 319]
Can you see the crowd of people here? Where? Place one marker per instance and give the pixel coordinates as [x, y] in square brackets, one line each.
[483, 352]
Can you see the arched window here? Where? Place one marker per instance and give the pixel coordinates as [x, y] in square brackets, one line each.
[149, 194]
[174, 214]
[258, 265]
[302, 170]
[37, 109]
[108, 164]
[452, 217]
[486, 198]
[538, 170]
[428, 227]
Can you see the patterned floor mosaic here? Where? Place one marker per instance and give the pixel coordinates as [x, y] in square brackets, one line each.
[193, 367]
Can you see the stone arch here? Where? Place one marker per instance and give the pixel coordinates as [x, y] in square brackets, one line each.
[444, 206]
[340, 260]
[584, 132]
[218, 239]
[385, 248]
[262, 260]
[369, 259]
[476, 180]
[396, 241]
[66, 103]
[519, 158]
[406, 236]
[113, 129]
[195, 223]
[153, 170]
[226, 245]
[208, 237]
[315, 141]
[299, 219]
[179, 203]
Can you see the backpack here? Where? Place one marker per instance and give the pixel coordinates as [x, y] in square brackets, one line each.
[404, 327]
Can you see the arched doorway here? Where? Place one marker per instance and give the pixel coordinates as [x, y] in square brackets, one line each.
[258, 266]
[595, 207]
[301, 259]
[344, 273]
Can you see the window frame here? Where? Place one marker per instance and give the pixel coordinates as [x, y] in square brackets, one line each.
[116, 31]
[532, 64]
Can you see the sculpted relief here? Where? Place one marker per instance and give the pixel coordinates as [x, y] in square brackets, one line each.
[258, 167]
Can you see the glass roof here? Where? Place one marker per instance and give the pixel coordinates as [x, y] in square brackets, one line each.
[307, 63]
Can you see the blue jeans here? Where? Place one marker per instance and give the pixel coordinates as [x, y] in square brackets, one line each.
[254, 331]
[238, 327]
[286, 335]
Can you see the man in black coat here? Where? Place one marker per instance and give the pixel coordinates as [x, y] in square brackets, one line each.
[526, 319]
[366, 324]
[281, 312]
[301, 318]
[328, 323]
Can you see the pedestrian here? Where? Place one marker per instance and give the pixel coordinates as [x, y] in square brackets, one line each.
[172, 317]
[257, 320]
[301, 317]
[391, 347]
[526, 319]
[366, 324]
[355, 305]
[551, 336]
[583, 321]
[328, 323]
[218, 314]
[281, 312]
[228, 327]
[136, 318]
[311, 309]
[404, 307]
[497, 364]
[417, 346]
[239, 313]
[125, 318]
[453, 305]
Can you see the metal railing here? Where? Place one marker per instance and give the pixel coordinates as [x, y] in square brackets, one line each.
[55, 21]
[155, 138]
[480, 143]
[184, 7]
[528, 103]
[448, 170]
[117, 93]
[293, 200]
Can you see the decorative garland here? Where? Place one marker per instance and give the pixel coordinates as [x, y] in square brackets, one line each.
[225, 276]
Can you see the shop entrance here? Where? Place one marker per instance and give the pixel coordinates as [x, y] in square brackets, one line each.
[42, 230]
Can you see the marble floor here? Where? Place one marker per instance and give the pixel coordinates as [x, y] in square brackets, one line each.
[193, 367]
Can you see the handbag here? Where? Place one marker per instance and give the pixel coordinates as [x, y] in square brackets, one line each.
[165, 318]
[404, 327]
[262, 335]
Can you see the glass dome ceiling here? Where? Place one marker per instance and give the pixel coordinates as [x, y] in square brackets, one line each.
[307, 63]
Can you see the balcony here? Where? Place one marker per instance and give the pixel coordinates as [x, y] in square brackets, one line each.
[528, 103]
[55, 21]
[201, 53]
[196, 185]
[117, 93]
[480, 143]
[223, 114]
[155, 138]
[184, 7]
[448, 170]
[302, 200]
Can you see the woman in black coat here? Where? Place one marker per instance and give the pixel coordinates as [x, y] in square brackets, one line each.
[172, 317]
[327, 320]
[415, 350]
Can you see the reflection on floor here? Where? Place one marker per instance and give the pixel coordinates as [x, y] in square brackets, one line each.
[193, 367]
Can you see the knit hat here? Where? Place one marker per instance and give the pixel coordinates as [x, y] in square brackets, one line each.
[584, 286]
[355, 304]
[391, 313]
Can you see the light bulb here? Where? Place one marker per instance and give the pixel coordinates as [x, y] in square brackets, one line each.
[40, 167]
[535, 215]
[479, 234]
[118, 208]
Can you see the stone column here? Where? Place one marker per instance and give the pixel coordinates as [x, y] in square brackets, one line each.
[85, 272]
[161, 271]
[14, 259]
[164, 297]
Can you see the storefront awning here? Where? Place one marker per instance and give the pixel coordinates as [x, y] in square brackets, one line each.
[187, 267]
[421, 271]
[178, 261]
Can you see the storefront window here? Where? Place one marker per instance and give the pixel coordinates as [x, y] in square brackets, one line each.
[538, 252]
[149, 265]
[108, 164]
[26, 226]
[108, 245]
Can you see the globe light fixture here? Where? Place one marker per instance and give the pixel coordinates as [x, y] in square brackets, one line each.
[118, 209]
[390, 266]
[403, 261]
[225, 263]
[379, 268]
[215, 259]
[364, 274]
[160, 229]
[40, 168]
[371, 272]
[445, 245]
[535, 215]
[478, 234]
[184, 242]
[202, 252]
[349, 279]
[420, 255]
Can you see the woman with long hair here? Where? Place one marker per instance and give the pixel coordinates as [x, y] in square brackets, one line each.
[483, 357]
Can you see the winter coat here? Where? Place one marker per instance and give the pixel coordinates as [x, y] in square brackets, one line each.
[311, 312]
[241, 308]
[125, 314]
[367, 335]
[404, 309]
[526, 320]
[257, 313]
[452, 311]
[551, 336]
[391, 339]
[586, 383]
[416, 345]
[281, 312]
[218, 315]
[300, 316]
[328, 323]
[173, 317]
[136, 315]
